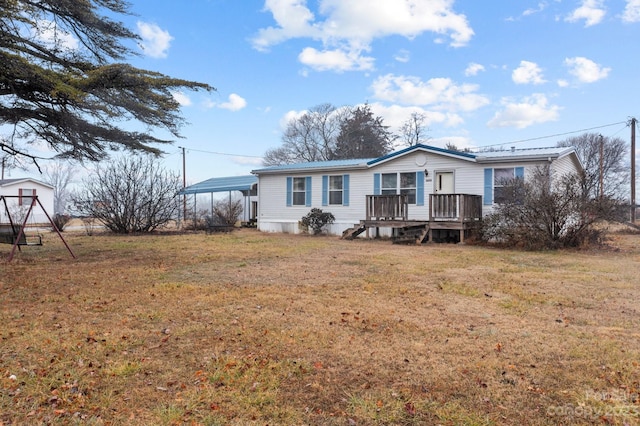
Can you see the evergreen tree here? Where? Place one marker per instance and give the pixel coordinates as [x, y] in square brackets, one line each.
[363, 135]
[72, 95]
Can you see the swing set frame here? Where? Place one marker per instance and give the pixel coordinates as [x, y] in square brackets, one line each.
[16, 232]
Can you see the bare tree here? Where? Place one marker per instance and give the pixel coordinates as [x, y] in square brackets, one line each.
[453, 147]
[227, 211]
[130, 194]
[615, 170]
[59, 174]
[548, 212]
[310, 137]
[414, 130]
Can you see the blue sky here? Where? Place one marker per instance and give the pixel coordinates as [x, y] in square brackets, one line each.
[503, 72]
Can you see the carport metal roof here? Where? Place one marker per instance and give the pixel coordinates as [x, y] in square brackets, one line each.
[222, 184]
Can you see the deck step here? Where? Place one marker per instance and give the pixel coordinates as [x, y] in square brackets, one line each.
[351, 233]
[411, 234]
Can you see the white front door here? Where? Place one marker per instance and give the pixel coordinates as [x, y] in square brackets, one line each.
[444, 183]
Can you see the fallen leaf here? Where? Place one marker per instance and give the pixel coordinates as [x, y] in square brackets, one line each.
[410, 409]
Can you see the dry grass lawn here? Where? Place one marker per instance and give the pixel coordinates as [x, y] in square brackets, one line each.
[249, 328]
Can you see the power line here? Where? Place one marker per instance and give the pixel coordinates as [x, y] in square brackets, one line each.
[224, 153]
[554, 135]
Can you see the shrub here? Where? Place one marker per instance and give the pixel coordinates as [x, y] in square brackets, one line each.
[542, 213]
[316, 220]
[60, 220]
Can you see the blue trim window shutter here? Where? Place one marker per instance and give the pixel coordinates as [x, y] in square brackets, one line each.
[289, 191]
[420, 188]
[488, 187]
[325, 190]
[519, 173]
[307, 187]
[345, 190]
[376, 184]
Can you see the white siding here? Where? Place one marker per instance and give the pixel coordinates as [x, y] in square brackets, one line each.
[564, 165]
[43, 192]
[275, 216]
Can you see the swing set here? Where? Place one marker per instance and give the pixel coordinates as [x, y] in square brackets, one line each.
[14, 233]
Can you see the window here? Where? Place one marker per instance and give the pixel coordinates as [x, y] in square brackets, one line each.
[26, 196]
[299, 191]
[407, 185]
[335, 189]
[389, 183]
[497, 182]
[501, 179]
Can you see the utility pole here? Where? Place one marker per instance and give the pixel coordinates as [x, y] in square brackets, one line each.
[184, 183]
[633, 170]
[601, 166]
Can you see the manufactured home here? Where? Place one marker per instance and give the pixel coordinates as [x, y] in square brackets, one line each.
[19, 195]
[424, 192]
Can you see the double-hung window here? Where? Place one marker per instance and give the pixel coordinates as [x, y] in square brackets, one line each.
[299, 191]
[389, 184]
[410, 184]
[335, 190]
[502, 178]
[400, 183]
[26, 196]
[498, 182]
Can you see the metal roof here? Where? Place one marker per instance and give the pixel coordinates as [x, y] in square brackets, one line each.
[4, 182]
[421, 147]
[521, 154]
[324, 165]
[222, 184]
[497, 156]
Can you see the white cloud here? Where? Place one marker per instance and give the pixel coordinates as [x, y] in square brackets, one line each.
[527, 73]
[396, 115]
[155, 41]
[631, 11]
[337, 60]
[473, 69]
[460, 142]
[348, 27]
[531, 110]
[528, 12]
[181, 98]
[402, 56]
[585, 70]
[235, 103]
[592, 11]
[531, 11]
[441, 93]
[562, 83]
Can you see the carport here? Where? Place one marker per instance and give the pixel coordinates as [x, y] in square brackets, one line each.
[247, 185]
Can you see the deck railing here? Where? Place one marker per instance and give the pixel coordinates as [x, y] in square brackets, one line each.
[442, 207]
[455, 207]
[387, 207]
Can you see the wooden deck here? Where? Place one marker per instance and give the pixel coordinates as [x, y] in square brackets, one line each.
[459, 214]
